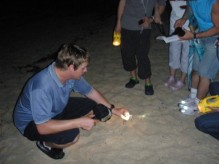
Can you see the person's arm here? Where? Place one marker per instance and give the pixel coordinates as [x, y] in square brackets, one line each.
[180, 22]
[212, 31]
[215, 19]
[158, 11]
[56, 126]
[100, 99]
[120, 11]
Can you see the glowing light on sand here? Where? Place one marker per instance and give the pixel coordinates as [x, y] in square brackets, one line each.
[126, 116]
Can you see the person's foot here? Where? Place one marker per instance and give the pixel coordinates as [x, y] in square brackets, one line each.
[171, 80]
[188, 106]
[51, 152]
[177, 86]
[188, 102]
[149, 90]
[189, 109]
[132, 82]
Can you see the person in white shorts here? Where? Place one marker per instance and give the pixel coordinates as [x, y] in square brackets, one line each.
[178, 50]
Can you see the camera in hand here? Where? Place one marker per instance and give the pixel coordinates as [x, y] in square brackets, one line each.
[179, 31]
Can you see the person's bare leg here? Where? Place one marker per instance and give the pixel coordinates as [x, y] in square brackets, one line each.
[194, 85]
[195, 80]
[171, 79]
[183, 77]
[172, 72]
[148, 81]
[203, 88]
[133, 74]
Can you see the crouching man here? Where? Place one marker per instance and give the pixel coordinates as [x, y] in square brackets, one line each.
[46, 113]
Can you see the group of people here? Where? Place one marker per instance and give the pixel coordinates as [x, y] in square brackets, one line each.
[46, 113]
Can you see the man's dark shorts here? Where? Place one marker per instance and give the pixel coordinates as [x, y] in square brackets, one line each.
[76, 108]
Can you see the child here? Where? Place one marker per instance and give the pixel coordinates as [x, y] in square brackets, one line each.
[178, 50]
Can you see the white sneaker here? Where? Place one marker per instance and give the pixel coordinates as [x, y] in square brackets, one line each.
[186, 102]
[189, 109]
[188, 106]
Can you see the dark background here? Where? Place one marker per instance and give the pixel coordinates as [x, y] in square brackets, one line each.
[11, 9]
[14, 9]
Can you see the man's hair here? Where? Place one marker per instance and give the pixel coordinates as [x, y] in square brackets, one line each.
[71, 54]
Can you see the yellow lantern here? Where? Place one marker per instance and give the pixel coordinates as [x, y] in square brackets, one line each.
[210, 101]
[116, 39]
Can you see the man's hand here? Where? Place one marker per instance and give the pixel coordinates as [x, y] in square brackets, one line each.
[179, 23]
[188, 35]
[120, 111]
[145, 22]
[87, 123]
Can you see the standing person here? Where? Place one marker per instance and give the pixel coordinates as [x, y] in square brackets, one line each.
[178, 50]
[206, 13]
[46, 113]
[134, 20]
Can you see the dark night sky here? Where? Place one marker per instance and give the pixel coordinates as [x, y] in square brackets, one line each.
[16, 10]
[21, 8]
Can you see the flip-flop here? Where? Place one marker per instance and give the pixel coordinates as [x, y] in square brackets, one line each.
[53, 152]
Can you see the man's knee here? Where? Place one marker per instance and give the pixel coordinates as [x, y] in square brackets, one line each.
[198, 123]
[62, 146]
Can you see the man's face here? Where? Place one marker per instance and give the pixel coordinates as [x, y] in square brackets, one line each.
[82, 69]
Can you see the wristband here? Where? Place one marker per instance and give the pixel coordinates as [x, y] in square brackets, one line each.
[194, 36]
[112, 106]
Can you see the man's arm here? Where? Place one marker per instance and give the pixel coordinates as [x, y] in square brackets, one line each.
[211, 32]
[100, 99]
[159, 10]
[56, 126]
[120, 11]
[215, 19]
[180, 22]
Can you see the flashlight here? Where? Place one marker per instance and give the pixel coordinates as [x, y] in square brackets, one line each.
[116, 39]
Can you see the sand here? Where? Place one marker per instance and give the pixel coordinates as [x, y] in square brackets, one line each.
[157, 134]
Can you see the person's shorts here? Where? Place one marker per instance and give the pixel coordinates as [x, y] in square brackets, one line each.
[76, 108]
[208, 66]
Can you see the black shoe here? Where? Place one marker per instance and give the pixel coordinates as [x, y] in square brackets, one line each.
[131, 83]
[53, 152]
[149, 90]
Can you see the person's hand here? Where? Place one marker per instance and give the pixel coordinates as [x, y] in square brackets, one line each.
[179, 23]
[87, 122]
[188, 35]
[146, 22]
[120, 112]
[118, 28]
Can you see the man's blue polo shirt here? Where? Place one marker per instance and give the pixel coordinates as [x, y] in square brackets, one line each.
[44, 96]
